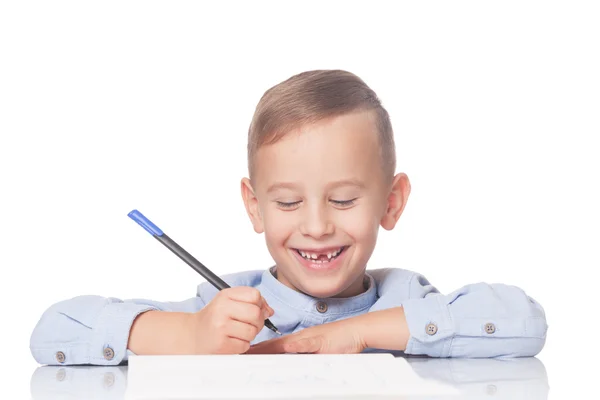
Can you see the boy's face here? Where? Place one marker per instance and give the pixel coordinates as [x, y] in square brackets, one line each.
[320, 196]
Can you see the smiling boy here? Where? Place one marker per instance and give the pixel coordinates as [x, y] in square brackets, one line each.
[322, 181]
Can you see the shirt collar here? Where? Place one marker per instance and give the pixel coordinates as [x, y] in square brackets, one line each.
[304, 302]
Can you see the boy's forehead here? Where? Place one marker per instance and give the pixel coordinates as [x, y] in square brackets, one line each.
[340, 148]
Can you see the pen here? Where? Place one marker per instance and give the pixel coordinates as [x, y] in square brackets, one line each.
[185, 256]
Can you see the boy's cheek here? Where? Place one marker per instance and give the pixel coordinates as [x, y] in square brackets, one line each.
[360, 225]
[277, 226]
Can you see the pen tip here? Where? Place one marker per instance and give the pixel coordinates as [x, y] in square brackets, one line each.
[276, 331]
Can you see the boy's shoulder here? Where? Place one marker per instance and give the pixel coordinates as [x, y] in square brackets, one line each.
[396, 285]
[387, 278]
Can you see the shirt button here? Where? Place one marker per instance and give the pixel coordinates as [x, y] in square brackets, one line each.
[431, 329]
[490, 328]
[60, 357]
[321, 306]
[109, 353]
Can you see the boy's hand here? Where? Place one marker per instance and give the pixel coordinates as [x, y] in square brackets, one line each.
[334, 337]
[384, 329]
[229, 322]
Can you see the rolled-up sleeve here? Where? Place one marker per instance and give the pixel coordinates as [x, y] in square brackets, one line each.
[93, 329]
[477, 320]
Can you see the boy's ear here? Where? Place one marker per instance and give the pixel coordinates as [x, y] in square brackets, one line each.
[251, 204]
[396, 200]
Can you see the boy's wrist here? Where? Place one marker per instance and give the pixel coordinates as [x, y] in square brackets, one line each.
[160, 332]
[385, 329]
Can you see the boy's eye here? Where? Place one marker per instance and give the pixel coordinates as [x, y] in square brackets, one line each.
[288, 205]
[343, 203]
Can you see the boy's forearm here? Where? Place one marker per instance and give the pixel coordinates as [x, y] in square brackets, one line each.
[385, 329]
[159, 332]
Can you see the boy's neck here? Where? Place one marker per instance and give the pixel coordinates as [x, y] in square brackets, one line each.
[359, 286]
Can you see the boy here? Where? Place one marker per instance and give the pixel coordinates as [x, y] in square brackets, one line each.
[321, 160]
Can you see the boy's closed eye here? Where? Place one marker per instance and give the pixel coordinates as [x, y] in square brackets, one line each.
[294, 204]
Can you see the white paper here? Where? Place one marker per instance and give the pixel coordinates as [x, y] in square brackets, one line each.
[280, 376]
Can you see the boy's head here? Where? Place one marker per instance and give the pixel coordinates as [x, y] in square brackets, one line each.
[321, 160]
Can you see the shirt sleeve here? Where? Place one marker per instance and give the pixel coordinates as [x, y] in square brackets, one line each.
[478, 320]
[93, 329]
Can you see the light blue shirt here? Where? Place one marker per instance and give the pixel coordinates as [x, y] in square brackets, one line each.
[477, 320]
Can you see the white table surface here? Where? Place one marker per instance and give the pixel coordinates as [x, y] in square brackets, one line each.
[524, 378]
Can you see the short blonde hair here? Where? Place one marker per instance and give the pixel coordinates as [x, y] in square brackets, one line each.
[311, 96]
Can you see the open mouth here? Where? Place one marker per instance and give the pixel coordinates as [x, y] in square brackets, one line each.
[321, 257]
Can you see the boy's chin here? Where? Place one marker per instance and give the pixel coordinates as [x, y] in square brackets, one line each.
[320, 290]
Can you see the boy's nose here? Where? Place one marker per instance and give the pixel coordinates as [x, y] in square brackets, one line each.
[316, 223]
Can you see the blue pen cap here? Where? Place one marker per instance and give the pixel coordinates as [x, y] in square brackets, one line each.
[145, 223]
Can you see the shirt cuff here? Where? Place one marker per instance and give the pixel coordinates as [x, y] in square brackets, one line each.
[430, 326]
[108, 345]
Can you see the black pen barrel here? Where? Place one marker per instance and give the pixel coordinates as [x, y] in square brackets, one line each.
[192, 262]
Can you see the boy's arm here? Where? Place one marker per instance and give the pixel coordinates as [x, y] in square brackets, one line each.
[95, 330]
[477, 320]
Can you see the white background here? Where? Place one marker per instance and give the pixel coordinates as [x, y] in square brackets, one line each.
[109, 106]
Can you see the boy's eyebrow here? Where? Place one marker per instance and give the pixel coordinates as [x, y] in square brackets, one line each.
[281, 185]
[343, 182]
[346, 182]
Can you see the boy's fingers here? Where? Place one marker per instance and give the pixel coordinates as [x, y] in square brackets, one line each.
[234, 346]
[251, 295]
[268, 311]
[241, 330]
[247, 313]
[306, 345]
[273, 346]
[246, 294]
[289, 344]
[268, 307]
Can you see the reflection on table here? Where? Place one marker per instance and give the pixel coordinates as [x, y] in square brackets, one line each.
[514, 378]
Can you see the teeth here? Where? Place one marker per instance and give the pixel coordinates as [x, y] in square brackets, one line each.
[313, 256]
